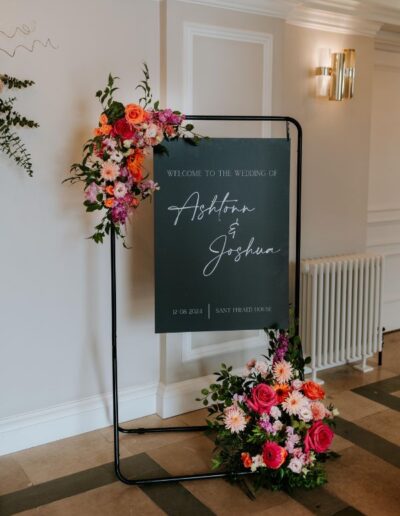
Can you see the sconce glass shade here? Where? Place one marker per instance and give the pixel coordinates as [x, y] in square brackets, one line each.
[323, 72]
[349, 72]
[337, 80]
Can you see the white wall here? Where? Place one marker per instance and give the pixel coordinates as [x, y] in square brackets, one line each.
[55, 327]
[384, 183]
[336, 143]
[55, 285]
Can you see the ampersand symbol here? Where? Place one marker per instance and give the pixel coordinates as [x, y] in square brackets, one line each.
[232, 228]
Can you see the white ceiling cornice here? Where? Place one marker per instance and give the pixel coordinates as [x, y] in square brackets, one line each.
[387, 41]
[362, 17]
[332, 21]
[274, 8]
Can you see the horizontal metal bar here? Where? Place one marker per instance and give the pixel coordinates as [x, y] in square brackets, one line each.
[162, 429]
[179, 478]
[244, 118]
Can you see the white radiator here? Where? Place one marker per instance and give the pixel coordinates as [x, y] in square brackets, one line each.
[340, 309]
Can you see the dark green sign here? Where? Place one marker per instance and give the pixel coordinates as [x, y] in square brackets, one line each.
[222, 235]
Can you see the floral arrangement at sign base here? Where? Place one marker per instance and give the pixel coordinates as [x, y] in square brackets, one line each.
[10, 143]
[112, 167]
[270, 421]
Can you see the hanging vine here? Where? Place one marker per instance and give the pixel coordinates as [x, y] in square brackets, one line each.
[10, 143]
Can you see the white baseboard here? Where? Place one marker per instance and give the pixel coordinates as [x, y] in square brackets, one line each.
[77, 417]
[180, 397]
[68, 419]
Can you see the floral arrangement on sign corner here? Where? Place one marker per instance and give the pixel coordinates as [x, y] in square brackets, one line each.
[112, 168]
[10, 143]
[270, 421]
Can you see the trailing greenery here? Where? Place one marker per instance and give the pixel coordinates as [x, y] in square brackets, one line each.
[10, 142]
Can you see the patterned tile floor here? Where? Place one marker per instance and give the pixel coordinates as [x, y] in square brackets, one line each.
[75, 476]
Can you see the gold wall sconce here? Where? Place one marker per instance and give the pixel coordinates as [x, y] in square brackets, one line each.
[336, 73]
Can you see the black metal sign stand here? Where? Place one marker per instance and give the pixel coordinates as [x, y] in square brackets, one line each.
[119, 429]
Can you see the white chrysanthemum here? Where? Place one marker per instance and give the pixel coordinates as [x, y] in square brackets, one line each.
[282, 371]
[262, 368]
[120, 190]
[116, 156]
[277, 426]
[275, 412]
[297, 384]
[94, 161]
[234, 419]
[305, 413]
[295, 465]
[257, 462]
[294, 403]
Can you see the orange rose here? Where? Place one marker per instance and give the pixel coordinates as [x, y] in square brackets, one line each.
[134, 114]
[246, 459]
[103, 120]
[282, 391]
[109, 203]
[105, 130]
[97, 131]
[313, 391]
[110, 190]
[135, 202]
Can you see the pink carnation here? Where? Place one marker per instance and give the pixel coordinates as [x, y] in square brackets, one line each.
[318, 410]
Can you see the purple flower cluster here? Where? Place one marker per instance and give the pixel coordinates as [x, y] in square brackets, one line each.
[282, 348]
[119, 213]
[167, 116]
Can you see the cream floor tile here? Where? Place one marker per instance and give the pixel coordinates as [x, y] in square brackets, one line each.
[289, 508]
[366, 482]
[339, 444]
[115, 499]
[189, 456]
[345, 378]
[352, 406]
[226, 499]
[195, 418]
[12, 476]
[66, 456]
[135, 443]
[386, 424]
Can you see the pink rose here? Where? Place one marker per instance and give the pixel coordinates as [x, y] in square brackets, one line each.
[123, 129]
[318, 438]
[262, 398]
[273, 455]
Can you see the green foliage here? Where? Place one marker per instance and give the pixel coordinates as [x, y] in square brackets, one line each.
[12, 82]
[10, 142]
[106, 96]
[144, 85]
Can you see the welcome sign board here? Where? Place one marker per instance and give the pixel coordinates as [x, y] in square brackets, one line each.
[222, 235]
